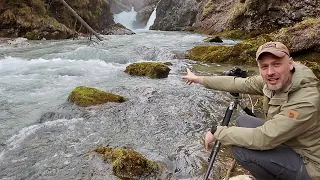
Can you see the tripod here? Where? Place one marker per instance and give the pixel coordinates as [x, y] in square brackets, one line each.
[233, 105]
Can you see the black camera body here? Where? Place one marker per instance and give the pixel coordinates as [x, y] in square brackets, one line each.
[236, 71]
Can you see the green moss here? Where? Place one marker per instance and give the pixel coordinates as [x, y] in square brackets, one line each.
[238, 10]
[33, 35]
[85, 96]
[314, 66]
[241, 53]
[210, 53]
[307, 56]
[151, 69]
[310, 22]
[127, 163]
[240, 34]
[305, 28]
[207, 8]
[168, 63]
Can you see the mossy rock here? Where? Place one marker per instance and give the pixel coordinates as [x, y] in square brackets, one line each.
[300, 39]
[216, 39]
[241, 53]
[314, 66]
[168, 63]
[85, 96]
[127, 163]
[151, 69]
[240, 34]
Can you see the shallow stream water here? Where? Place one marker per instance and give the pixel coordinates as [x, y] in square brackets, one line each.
[42, 136]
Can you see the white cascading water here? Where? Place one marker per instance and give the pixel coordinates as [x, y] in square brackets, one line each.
[151, 19]
[126, 18]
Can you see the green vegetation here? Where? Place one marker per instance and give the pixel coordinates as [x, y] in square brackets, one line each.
[241, 53]
[151, 69]
[127, 163]
[207, 8]
[30, 19]
[305, 28]
[314, 66]
[239, 34]
[296, 37]
[38, 19]
[85, 96]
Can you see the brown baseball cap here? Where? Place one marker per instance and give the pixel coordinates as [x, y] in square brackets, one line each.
[276, 48]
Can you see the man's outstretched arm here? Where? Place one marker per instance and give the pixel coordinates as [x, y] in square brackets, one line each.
[250, 85]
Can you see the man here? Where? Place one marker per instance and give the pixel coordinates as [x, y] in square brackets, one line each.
[287, 145]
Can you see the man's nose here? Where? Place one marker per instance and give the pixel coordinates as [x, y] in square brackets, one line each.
[270, 71]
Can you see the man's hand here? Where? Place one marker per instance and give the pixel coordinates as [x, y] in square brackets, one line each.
[208, 139]
[192, 78]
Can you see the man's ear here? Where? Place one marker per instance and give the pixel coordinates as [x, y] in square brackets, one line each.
[291, 62]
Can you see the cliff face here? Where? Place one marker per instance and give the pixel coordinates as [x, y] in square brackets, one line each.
[37, 19]
[30, 19]
[212, 16]
[253, 15]
[175, 14]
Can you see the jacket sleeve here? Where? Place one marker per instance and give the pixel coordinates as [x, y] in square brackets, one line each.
[249, 85]
[274, 132]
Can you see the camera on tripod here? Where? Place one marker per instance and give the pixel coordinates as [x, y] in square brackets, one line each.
[235, 71]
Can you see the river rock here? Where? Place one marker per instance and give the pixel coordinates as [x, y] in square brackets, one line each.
[216, 39]
[151, 69]
[85, 96]
[301, 39]
[127, 163]
[117, 29]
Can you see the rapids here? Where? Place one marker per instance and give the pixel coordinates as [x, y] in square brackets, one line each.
[42, 136]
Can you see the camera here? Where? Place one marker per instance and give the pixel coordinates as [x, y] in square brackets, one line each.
[236, 71]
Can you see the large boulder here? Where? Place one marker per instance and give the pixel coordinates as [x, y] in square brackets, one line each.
[85, 96]
[30, 19]
[302, 40]
[127, 163]
[151, 69]
[117, 29]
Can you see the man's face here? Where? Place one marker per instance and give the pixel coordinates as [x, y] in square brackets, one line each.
[275, 71]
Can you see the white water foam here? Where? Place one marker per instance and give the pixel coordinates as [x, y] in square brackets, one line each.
[152, 18]
[18, 138]
[126, 18]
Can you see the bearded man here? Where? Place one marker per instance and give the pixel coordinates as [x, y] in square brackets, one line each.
[286, 145]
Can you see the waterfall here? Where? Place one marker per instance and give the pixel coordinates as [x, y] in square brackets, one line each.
[126, 18]
[151, 20]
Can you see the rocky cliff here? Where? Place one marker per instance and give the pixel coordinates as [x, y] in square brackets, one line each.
[247, 16]
[257, 16]
[175, 14]
[38, 19]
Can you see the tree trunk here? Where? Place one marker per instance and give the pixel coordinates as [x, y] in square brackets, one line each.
[81, 20]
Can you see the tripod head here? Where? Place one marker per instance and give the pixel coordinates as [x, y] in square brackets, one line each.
[237, 72]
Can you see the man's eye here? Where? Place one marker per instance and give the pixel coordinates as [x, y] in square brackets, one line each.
[263, 67]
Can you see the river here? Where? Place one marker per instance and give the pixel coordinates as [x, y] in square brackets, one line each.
[42, 136]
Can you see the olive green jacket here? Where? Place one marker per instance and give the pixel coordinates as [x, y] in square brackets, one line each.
[292, 116]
